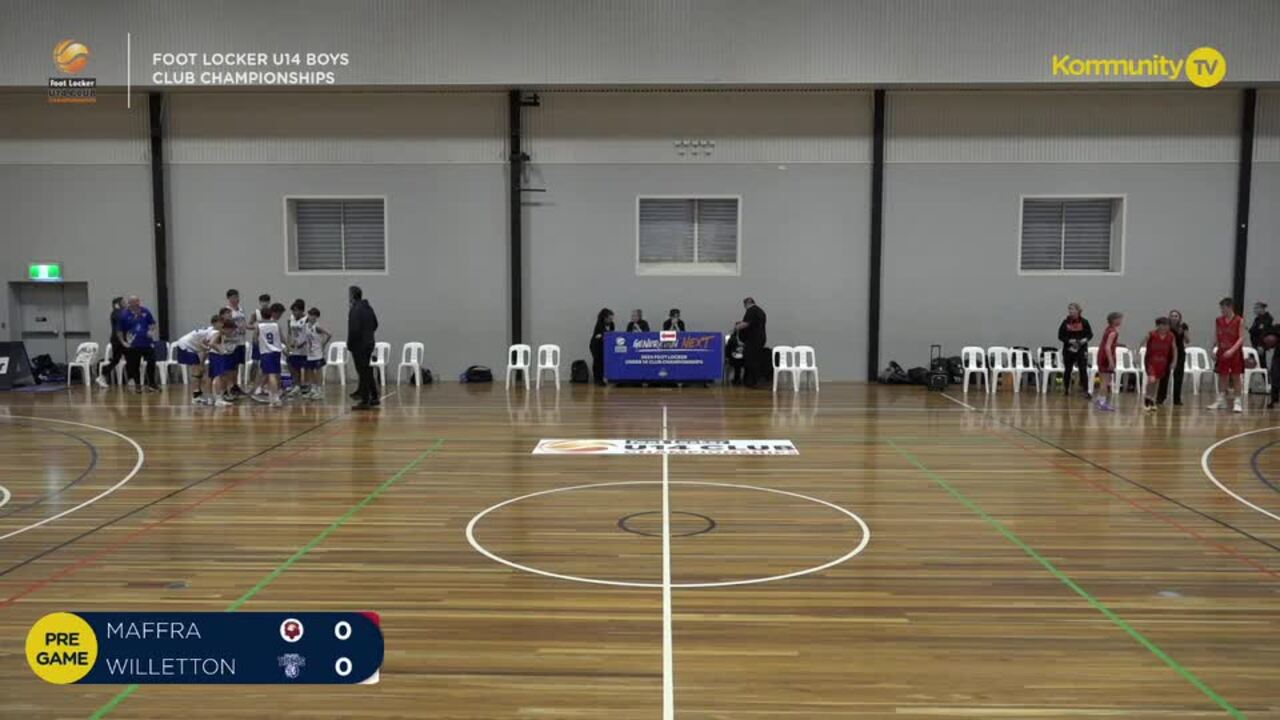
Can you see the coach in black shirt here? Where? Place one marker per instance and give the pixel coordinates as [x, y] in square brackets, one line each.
[751, 331]
[362, 323]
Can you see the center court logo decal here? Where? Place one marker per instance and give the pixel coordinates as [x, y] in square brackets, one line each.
[665, 447]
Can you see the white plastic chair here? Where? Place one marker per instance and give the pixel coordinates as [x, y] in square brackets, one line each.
[168, 363]
[106, 360]
[549, 359]
[1196, 364]
[806, 359]
[86, 352]
[1051, 364]
[411, 357]
[1094, 373]
[1125, 366]
[975, 363]
[335, 358]
[519, 357]
[1142, 368]
[1257, 369]
[1023, 365]
[381, 356]
[1000, 362]
[784, 362]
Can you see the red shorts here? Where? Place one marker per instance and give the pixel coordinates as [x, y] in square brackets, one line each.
[1233, 365]
[1157, 370]
[1104, 364]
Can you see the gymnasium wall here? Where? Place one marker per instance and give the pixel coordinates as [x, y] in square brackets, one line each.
[799, 161]
[651, 42]
[75, 188]
[957, 164]
[439, 161]
[1263, 279]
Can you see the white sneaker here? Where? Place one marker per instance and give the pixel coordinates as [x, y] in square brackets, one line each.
[276, 402]
[260, 391]
[1237, 407]
[1218, 404]
[102, 382]
[222, 402]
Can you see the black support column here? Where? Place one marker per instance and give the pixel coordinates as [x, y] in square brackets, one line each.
[159, 223]
[515, 211]
[1244, 189]
[877, 237]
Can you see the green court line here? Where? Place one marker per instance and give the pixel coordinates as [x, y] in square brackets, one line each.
[311, 545]
[1066, 580]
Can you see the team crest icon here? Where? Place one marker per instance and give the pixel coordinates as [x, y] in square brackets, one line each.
[292, 664]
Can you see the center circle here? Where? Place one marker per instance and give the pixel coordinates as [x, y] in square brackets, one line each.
[709, 524]
[848, 516]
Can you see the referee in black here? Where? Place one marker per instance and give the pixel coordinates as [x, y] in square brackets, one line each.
[362, 323]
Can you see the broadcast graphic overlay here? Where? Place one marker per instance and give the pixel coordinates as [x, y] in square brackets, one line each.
[262, 648]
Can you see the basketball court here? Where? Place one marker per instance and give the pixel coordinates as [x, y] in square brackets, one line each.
[920, 555]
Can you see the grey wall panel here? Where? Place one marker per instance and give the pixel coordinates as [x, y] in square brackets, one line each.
[540, 42]
[75, 188]
[1263, 279]
[104, 133]
[446, 235]
[1062, 126]
[93, 219]
[950, 260]
[361, 128]
[1266, 146]
[645, 127]
[804, 255]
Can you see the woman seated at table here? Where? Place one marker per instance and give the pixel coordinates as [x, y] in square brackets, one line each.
[673, 321]
[638, 323]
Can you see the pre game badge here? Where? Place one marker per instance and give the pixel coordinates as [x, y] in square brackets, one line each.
[61, 648]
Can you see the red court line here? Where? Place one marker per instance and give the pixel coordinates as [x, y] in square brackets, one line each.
[94, 558]
[1224, 549]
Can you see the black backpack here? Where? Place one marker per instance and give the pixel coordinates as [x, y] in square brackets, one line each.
[477, 374]
[579, 373]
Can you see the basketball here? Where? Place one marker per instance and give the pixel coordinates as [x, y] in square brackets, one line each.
[1270, 341]
[71, 56]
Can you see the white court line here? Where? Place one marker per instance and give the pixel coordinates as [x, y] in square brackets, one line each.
[475, 521]
[1204, 465]
[136, 467]
[668, 649]
[958, 402]
[5, 499]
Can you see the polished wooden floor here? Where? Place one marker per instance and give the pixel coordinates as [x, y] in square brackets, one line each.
[1029, 558]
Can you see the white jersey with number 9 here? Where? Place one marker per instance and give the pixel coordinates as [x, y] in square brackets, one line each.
[269, 340]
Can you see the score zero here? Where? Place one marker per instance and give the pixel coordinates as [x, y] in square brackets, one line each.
[62, 657]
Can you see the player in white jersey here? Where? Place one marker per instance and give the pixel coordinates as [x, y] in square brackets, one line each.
[259, 314]
[297, 348]
[237, 341]
[270, 347]
[193, 348]
[222, 362]
[317, 339]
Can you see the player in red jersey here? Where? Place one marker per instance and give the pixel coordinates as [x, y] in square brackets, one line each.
[1107, 360]
[1161, 355]
[1230, 329]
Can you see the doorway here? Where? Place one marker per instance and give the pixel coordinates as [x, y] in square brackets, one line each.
[50, 318]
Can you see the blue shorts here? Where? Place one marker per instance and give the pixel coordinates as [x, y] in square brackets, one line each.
[220, 364]
[297, 362]
[315, 364]
[270, 363]
[186, 357]
[257, 352]
[237, 356]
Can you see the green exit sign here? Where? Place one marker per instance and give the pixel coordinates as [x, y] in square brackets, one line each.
[44, 271]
